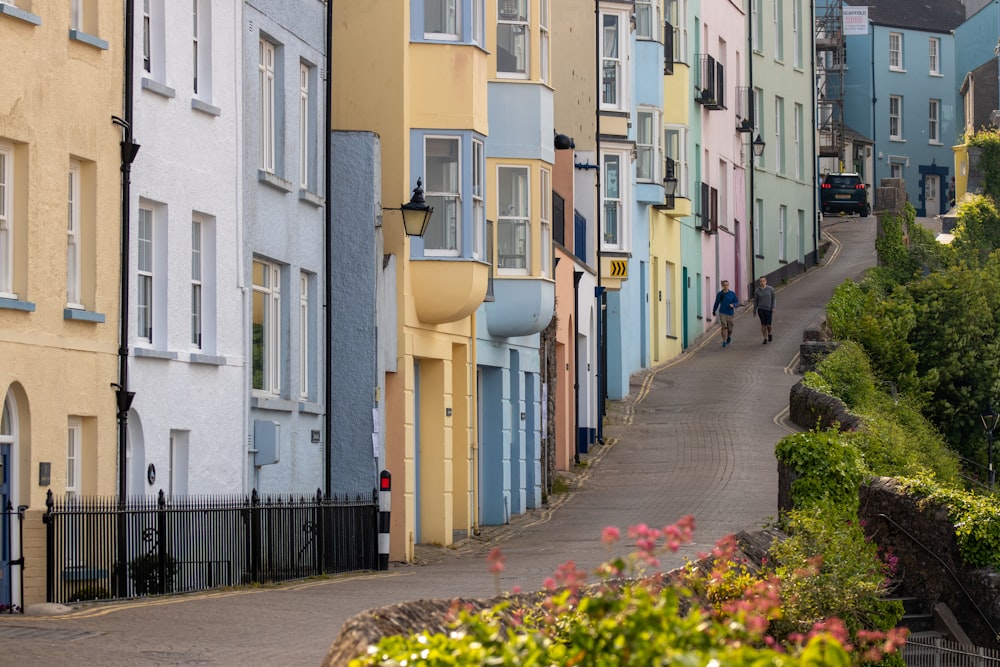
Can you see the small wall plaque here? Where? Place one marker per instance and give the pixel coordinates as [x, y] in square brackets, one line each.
[44, 473]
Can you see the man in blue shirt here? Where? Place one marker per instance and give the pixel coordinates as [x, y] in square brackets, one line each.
[725, 304]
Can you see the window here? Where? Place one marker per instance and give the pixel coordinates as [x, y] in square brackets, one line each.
[668, 301]
[895, 117]
[782, 229]
[478, 198]
[6, 221]
[266, 327]
[613, 200]
[896, 51]
[267, 117]
[441, 165]
[196, 283]
[144, 266]
[779, 30]
[441, 19]
[647, 149]
[800, 157]
[758, 122]
[934, 122]
[194, 44]
[177, 483]
[611, 62]
[797, 33]
[305, 319]
[545, 221]
[758, 227]
[677, 18]
[512, 37]
[895, 170]
[647, 19]
[305, 116]
[934, 53]
[779, 135]
[478, 30]
[757, 25]
[513, 219]
[73, 238]
[543, 39]
[675, 148]
[74, 458]
[147, 37]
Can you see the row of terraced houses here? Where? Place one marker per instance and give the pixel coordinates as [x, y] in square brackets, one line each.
[206, 286]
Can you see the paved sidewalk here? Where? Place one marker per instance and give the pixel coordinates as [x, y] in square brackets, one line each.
[695, 436]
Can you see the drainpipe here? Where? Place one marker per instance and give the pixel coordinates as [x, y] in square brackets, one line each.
[753, 160]
[123, 396]
[602, 357]
[577, 275]
[815, 225]
[328, 265]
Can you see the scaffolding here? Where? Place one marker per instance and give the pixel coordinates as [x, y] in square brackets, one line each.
[830, 62]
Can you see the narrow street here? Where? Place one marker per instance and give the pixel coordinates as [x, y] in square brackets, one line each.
[695, 436]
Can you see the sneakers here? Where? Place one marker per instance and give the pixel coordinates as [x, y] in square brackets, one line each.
[765, 341]
[725, 343]
[769, 338]
[729, 339]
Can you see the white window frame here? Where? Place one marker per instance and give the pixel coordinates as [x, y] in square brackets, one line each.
[934, 56]
[647, 19]
[799, 144]
[779, 32]
[304, 123]
[758, 228]
[675, 141]
[76, 15]
[649, 156]
[668, 301]
[758, 120]
[304, 347]
[267, 288]
[512, 26]
[895, 170]
[478, 22]
[757, 25]
[197, 337]
[74, 458]
[544, 46]
[616, 239]
[779, 135]
[896, 117]
[266, 110]
[782, 230]
[452, 10]
[796, 33]
[145, 268]
[7, 221]
[514, 219]
[147, 37]
[677, 15]
[545, 222]
[614, 58]
[73, 238]
[443, 200]
[934, 121]
[478, 199]
[896, 52]
[195, 45]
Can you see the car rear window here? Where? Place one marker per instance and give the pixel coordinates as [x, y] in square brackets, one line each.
[842, 181]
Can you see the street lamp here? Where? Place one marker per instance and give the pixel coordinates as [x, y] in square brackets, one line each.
[758, 146]
[416, 212]
[990, 420]
[669, 184]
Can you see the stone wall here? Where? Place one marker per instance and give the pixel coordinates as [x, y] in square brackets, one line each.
[930, 567]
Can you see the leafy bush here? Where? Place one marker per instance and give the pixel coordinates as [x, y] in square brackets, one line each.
[144, 571]
[829, 466]
[94, 592]
[849, 375]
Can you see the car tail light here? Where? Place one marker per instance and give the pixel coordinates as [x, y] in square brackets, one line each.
[859, 186]
[826, 186]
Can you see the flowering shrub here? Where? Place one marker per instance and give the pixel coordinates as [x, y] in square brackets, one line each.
[635, 616]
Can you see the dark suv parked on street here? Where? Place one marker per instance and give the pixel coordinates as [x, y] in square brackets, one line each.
[844, 192]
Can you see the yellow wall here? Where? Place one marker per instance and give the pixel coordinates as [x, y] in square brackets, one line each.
[56, 106]
[664, 248]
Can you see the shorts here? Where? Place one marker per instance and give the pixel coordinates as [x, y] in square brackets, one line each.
[726, 322]
[765, 317]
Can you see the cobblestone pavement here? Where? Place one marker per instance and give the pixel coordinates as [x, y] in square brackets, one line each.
[695, 436]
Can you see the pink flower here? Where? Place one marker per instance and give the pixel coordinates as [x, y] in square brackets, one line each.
[610, 535]
[496, 561]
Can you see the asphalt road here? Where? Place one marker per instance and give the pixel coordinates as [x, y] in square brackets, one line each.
[696, 436]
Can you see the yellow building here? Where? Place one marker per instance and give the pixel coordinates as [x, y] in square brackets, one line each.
[60, 222]
[420, 82]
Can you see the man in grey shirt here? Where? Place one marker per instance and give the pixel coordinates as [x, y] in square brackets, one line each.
[763, 307]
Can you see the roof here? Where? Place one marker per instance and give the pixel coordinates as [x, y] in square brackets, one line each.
[928, 15]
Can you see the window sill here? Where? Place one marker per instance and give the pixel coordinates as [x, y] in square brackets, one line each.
[898, 140]
[272, 403]
[150, 353]
[158, 88]
[311, 408]
[20, 14]
[899, 70]
[15, 304]
[205, 107]
[310, 198]
[275, 182]
[938, 75]
[83, 315]
[97, 42]
[207, 359]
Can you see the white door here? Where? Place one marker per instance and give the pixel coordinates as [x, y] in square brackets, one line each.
[932, 201]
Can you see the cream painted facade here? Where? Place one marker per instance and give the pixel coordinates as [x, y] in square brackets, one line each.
[60, 232]
[419, 91]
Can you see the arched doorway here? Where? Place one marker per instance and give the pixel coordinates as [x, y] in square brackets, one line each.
[8, 499]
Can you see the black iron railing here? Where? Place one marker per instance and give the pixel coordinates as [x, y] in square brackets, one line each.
[175, 545]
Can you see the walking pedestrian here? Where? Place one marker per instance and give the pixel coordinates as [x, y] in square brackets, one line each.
[725, 304]
[763, 307]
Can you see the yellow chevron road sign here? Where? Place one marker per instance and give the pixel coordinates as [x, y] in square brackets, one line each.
[619, 268]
